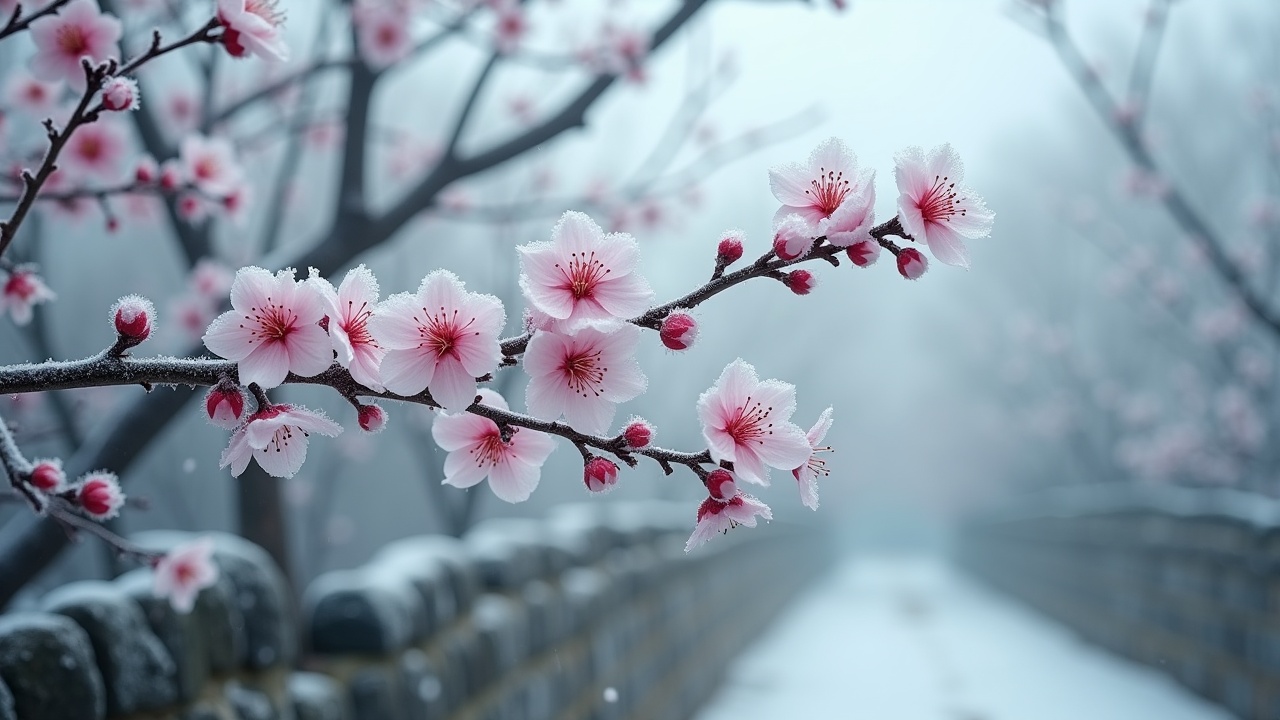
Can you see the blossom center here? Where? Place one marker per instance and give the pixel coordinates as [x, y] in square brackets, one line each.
[274, 322]
[184, 573]
[356, 324]
[748, 423]
[940, 203]
[582, 274]
[71, 39]
[265, 9]
[91, 148]
[443, 331]
[816, 464]
[828, 190]
[584, 372]
[490, 450]
[206, 168]
[20, 286]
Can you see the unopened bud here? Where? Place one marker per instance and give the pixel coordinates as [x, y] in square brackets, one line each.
[170, 176]
[147, 171]
[679, 331]
[911, 263]
[730, 249]
[225, 404]
[47, 477]
[600, 474]
[120, 93]
[791, 239]
[721, 485]
[132, 316]
[864, 253]
[373, 418]
[801, 282]
[100, 495]
[638, 433]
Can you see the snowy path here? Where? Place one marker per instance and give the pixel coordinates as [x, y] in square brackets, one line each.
[911, 639]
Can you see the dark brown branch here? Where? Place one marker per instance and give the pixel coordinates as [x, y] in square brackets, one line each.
[17, 23]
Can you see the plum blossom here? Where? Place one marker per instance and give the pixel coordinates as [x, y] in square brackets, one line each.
[99, 495]
[253, 28]
[477, 450]
[120, 94]
[510, 27]
[349, 310]
[912, 263]
[817, 190]
[210, 164]
[583, 275]
[382, 33]
[97, 149]
[807, 475]
[224, 404]
[183, 572]
[276, 435]
[273, 328]
[719, 516]
[748, 422]
[600, 474]
[48, 477]
[584, 375]
[79, 31]
[936, 207]
[679, 331]
[20, 290]
[25, 93]
[441, 339]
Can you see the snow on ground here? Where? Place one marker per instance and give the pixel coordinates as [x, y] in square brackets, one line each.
[908, 638]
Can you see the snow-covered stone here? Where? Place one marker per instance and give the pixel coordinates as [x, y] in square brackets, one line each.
[48, 668]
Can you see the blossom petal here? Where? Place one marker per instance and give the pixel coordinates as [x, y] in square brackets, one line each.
[452, 386]
[407, 372]
[267, 365]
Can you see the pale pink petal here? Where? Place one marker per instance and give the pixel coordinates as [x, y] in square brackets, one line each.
[230, 337]
[460, 430]
[267, 365]
[452, 386]
[393, 323]
[789, 183]
[514, 480]
[461, 469]
[407, 372]
[284, 457]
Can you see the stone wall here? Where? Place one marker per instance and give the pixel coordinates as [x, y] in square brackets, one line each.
[595, 612]
[1184, 580]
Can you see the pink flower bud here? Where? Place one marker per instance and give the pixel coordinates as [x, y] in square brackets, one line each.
[170, 175]
[679, 330]
[120, 93]
[864, 253]
[132, 315]
[372, 418]
[47, 477]
[730, 248]
[911, 263]
[147, 170]
[801, 282]
[791, 240]
[225, 405]
[721, 485]
[600, 474]
[100, 495]
[113, 225]
[638, 433]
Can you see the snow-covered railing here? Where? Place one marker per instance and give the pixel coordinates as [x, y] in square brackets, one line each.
[1185, 580]
[594, 612]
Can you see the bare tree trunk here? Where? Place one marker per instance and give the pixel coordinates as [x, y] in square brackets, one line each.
[260, 507]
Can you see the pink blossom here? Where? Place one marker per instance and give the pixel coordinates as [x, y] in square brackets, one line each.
[510, 27]
[936, 207]
[277, 437]
[721, 485]
[816, 190]
[253, 28]
[210, 164]
[476, 451]
[349, 310]
[382, 33]
[748, 422]
[600, 474]
[210, 279]
[716, 516]
[584, 275]
[183, 572]
[440, 339]
[80, 31]
[99, 495]
[584, 375]
[27, 94]
[912, 263]
[20, 290]
[48, 477]
[624, 52]
[224, 404]
[807, 475]
[800, 282]
[272, 329]
[96, 149]
[120, 94]
[679, 330]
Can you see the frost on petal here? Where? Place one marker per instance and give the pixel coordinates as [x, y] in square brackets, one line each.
[228, 337]
[237, 454]
[461, 470]
[454, 432]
